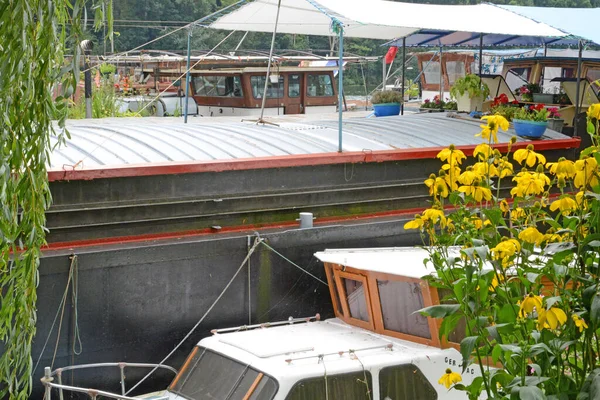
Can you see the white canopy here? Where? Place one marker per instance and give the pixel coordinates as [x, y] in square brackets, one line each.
[377, 19]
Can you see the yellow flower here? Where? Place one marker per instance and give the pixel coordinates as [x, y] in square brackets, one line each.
[562, 167]
[477, 192]
[528, 184]
[450, 378]
[551, 319]
[517, 213]
[529, 156]
[504, 207]
[586, 172]
[594, 111]
[530, 303]
[491, 129]
[505, 168]
[452, 174]
[453, 155]
[565, 204]
[434, 215]
[531, 235]
[437, 186]
[506, 248]
[579, 322]
[483, 151]
[483, 168]
[416, 223]
[469, 176]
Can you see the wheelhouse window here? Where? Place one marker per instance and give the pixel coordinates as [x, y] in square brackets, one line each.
[431, 72]
[405, 382]
[517, 77]
[294, 86]
[218, 86]
[354, 386]
[356, 298]
[274, 89]
[399, 302]
[207, 375]
[455, 70]
[319, 85]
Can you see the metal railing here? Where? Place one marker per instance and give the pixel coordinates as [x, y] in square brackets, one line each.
[48, 380]
[289, 321]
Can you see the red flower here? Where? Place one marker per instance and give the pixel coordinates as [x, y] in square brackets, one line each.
[537, 107]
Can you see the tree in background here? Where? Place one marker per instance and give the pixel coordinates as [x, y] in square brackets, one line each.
[34, 38]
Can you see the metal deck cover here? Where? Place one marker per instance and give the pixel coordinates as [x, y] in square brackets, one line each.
[145, 141]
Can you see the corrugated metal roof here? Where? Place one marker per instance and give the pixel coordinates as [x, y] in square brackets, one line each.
[126, 141]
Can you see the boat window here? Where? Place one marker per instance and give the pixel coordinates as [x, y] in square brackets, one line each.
[333, 289]
[319, 85]
[455, 70]
[294, 86]
[357, 299]
[517, 77]
[218, 86]
[399, 303]
[431, 72]
[405, 382]
[207, 375]
[274, 89]
[353, 386]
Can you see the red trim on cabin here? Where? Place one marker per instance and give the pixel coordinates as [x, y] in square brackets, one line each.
[174, 168]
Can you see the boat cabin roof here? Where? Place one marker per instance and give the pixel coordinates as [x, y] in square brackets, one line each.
[401, 261]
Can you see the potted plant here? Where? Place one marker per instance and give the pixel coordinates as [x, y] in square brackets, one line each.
[469, 93]
[555, 122]
[531, 121]
[502, 106]
[435, 105]
[386, 103]
[107, 70]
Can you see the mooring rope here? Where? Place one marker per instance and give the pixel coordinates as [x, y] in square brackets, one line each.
[254, 246]
[294, 264]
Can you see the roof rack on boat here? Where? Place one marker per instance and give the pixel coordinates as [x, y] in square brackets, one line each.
[389, 346]
[289, 321]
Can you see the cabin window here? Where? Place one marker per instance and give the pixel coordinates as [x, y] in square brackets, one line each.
[405, 382]
[356, 298]
[517, 77]
[399, 301]
[208, 375]
[455, 70]
[274, 89]
[218, 86]
[319, 85]
[294, 86]
[333, 289]
[431, 72]
[353, 386]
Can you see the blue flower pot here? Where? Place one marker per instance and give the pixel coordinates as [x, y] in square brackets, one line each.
[386, 109]
[532, 129]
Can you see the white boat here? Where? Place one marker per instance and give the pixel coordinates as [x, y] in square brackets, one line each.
[376, 348]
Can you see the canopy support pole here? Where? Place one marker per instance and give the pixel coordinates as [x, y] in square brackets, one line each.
[264, 98]
[341, 84]
[577, 90]
[480, 55]
[403, 73]
[384, 74]
[441, 74]
[187, 75]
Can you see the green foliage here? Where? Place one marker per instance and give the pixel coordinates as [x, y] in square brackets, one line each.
[33, 42]
[104, 103]
[471, 85]
[539, 114]
[107, 69]
[386, 96]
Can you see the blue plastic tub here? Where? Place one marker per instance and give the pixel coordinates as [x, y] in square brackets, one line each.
[386, 109]
[532, 129]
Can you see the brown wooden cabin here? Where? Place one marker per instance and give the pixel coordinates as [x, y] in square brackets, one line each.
[238, 91]
[380, 289]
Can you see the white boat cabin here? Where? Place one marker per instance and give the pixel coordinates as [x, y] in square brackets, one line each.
[377, 348]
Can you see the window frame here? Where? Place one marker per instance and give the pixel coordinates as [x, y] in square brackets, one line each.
[289, 80]
[347, 316]
[261, 375]
[216, 78]
[280, 81]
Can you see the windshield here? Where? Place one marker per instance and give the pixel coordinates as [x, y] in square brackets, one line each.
[207, 375]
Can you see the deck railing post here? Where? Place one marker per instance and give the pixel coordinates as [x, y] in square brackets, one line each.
[122, 367]
[341, 84]
[47, 379]
[403, 73]
[60, 390]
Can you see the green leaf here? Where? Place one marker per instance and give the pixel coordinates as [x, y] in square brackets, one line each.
[466, 348]
[595, 309]
[531, 393]
[439, 311]
[532, 277]
[497, 353]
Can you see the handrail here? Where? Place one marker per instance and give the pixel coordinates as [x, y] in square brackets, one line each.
[289, 321]
[49, 375]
